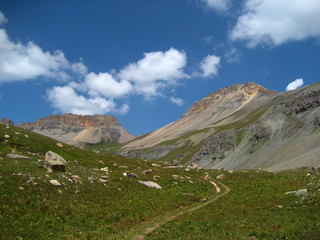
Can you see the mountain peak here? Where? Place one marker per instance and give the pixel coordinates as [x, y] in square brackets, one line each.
[236, 92]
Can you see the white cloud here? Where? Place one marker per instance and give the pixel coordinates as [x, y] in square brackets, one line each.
[177, 101]
[274, 22]
[219, 5]
[106, 85]
[3, 19]
[232, 55]
[148, 76]
[295, 84]
[155, 71]
[209, 65]
[68, 101]
[20, 62]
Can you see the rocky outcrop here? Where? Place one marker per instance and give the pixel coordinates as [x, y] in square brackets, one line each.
[302, 103]
[77, 129]
[215, 147]
[6, 121]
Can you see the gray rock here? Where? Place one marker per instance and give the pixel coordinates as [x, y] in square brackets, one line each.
[298, 192]
[301, 192]
[151, 184]
[55, 161]
[129, 174]
[16, 156]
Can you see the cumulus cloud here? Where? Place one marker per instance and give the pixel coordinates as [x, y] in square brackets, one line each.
[20, 62]
[209, 65]
[155, 71]
[274, 22]
[219, 5]
[295, 84]
[147, 77]
[67, 100]
[177, 100]
[106, 85]
[3, 19]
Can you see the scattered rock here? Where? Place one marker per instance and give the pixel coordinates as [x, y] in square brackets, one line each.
[301, 192]
[105, 169]
[55, 161]
[55, 183]
[193, 166]
[104, 177]
[298, 192]
[49, 171]
[76, 178]
[129, 174]
[190, 182]
[175, 163]
[155, 165]
[222, 176]
[103, 180]
[78, 191]
[151, 184]
[59, 144]
[278, 206]
[59, 191]
[230, 171]
[308, 175]
[156, 177]
[187, 194]
[101, 162]
[17, 133]
[145, 172]
[120, 166]
[21, 188]
[26, 136]
[6, 136]
[16, 156]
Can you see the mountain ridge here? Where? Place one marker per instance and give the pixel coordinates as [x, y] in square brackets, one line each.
[78, 129]
[239, 127]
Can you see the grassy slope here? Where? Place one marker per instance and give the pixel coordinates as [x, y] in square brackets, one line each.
[112, 210]
[249, 211]
[98, 210]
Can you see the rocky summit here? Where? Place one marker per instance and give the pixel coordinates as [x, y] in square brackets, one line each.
[6, 121]
[79, 130]
[239, 127]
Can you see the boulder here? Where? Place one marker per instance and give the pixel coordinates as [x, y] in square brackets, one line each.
[151, 184]
[55, 161]
[55, 183]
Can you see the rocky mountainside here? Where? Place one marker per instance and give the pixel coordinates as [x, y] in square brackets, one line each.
[78, 130]
[242, 126]
[6, 121]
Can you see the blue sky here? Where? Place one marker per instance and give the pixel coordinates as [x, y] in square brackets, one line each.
[146, 62]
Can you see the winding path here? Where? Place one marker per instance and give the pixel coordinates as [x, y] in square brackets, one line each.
[168, 219]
